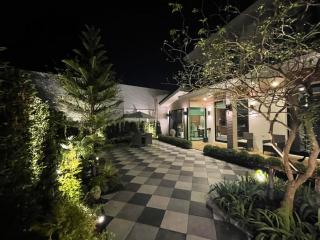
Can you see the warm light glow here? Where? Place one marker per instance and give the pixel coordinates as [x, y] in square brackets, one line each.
[97, 158]
[101, 219]
[204, 99]
[275, 84]
[260, 176]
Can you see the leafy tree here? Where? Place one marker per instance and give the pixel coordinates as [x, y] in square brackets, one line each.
[90, 82]
[273, 63]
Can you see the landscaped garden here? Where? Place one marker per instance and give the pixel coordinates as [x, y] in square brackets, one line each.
[51, 174]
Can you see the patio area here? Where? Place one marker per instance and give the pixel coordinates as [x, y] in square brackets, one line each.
[165, 193]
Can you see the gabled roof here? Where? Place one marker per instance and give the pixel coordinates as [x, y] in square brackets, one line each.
[172, 97]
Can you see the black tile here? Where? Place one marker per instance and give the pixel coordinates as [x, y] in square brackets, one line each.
[164, 234]
[181, 194]
[175, 167]
[150, 169]
[167, 183]
[130, 212]
[127, 178]
[122, 171]
[186, 173]
[200, 180]
[157, 175]
[133, 187]
[140, 199]
[199, 209]
[151, 216]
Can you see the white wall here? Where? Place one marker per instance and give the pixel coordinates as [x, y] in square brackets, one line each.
[259, 126]
[140, 98]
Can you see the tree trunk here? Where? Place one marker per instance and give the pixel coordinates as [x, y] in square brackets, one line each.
[287, 202]
[317, 185]
[271, 184]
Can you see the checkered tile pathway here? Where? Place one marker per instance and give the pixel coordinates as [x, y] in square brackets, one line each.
[165, 193]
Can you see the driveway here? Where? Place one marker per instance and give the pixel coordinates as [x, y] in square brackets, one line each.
[165, 193]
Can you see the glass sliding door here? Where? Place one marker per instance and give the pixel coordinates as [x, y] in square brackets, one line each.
[242, 117]
[220, 121]
[197, 123]
[177, 123]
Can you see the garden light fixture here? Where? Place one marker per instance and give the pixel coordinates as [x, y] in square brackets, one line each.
[101, 219]
[260, 176]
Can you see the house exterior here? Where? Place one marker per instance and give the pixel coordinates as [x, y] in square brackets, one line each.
[209, 116]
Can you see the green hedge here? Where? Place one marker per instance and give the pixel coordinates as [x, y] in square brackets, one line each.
[179, 142]
[242, 158]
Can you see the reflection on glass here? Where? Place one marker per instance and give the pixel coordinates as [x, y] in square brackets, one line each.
[242, 118]
[177, 123]
[221, 121]
[197, 123]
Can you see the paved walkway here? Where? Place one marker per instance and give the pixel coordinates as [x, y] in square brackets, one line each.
[165, 193]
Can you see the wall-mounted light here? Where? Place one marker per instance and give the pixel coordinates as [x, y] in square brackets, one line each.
[204, 99]
[185, 113]
[168, 114]
[209, 113]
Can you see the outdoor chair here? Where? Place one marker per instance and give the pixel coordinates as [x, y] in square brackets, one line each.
[247, 141]
[277, 147]
[147, 138]
[136, 140]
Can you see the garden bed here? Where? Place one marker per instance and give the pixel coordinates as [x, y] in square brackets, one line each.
[246, 205]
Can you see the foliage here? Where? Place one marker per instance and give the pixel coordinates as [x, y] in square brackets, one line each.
[242, 158]
[272, 225]
[176, 141]
[238, 198]
[243, 201]
[69, 171]
[28, 143]
[38, 114]
[71, 221]
[107, 179]
[90, 82]
[307, 203]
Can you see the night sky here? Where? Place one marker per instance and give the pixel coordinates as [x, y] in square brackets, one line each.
[39, 35]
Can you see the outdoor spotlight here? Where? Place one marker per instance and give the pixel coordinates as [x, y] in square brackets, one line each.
[275, 84]
[101, 219]
[97, 158]
[260, 176]
[301, 89]
[209, 112]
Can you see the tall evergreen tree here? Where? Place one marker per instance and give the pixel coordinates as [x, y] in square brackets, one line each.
[91, 83]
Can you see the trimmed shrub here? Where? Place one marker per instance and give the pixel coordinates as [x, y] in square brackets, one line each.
[179, 142]
[242, 158]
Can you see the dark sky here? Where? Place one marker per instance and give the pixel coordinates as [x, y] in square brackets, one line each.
[39, 35]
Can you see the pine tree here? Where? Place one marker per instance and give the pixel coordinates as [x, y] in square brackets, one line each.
[91, 83]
